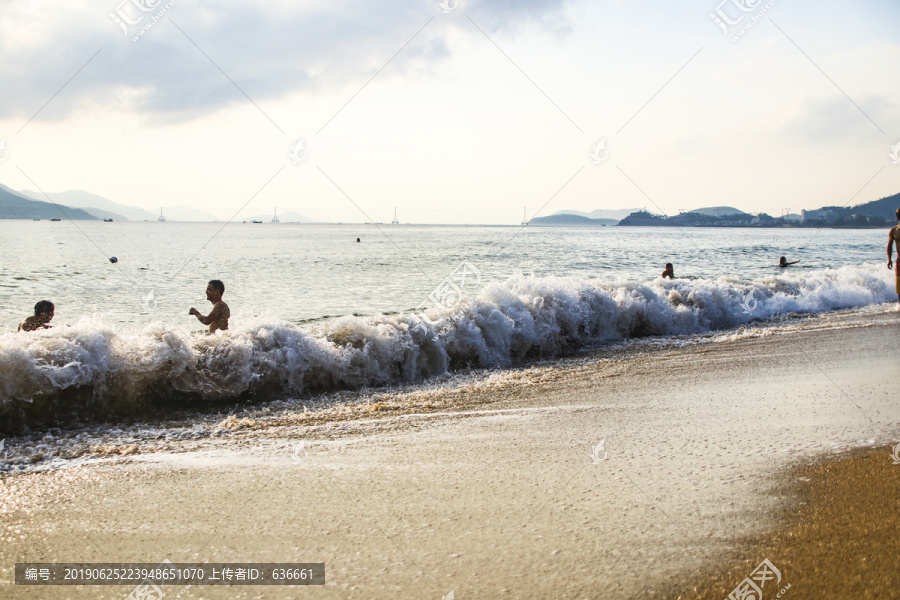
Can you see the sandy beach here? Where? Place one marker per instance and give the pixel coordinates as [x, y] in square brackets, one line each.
[498, 487]
[838, 540]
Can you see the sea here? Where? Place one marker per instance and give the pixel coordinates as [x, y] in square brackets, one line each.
[318, 308]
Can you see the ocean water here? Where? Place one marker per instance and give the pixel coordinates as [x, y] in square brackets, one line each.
[314, 311]
[299, 272]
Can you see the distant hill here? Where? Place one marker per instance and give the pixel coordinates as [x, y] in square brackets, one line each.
[877, 213]
[104, 214]
[100, 207]
[14, 206]
[641, 218]
[105, 208]
[885, 207]
[569, 220]
[718, 211]
[616, 215]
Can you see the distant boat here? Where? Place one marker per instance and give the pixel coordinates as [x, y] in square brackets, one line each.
[254, 221]
[107, 220]
[35, 219]
[56, 219]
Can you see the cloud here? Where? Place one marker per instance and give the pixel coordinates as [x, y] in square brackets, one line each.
[270, 49]
[835, 119]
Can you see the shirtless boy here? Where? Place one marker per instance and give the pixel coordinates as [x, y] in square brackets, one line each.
[894, 238]
[43, 314]
[220, 313]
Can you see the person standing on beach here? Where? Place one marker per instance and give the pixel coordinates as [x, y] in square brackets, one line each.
[43, 314]
[670, 270]
[219, 315]
[894, 238]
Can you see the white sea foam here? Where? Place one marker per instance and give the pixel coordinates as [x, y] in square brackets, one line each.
[89, 365]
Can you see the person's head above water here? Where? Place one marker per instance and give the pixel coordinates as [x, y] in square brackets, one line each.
[669, 267]
[43, 314]
[898, 214]
[214, 290]
[783, 262]
[44, 307]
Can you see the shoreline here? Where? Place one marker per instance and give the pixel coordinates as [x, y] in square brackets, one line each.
[161, 416]
[501, 494]
[451, 393]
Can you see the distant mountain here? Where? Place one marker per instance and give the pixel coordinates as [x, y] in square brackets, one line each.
[101, 207]
[14, 206]
[104, 214]
[570, 220]
[642, 218]
[105, 208]
[718, 211]
[885, 207]
[877, 213]
[616, 215]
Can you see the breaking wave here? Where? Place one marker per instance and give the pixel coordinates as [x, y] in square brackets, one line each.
[54, 376]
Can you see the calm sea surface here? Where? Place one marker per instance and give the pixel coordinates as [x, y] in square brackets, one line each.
[306, 272]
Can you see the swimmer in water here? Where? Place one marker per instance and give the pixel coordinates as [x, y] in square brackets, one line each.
[669, 272]
[357, 240]
[43, 314]
[219, 315]
[783, 262]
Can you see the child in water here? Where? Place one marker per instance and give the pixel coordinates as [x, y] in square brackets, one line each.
[43, 314]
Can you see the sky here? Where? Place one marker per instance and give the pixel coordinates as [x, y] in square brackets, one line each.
[470, 111]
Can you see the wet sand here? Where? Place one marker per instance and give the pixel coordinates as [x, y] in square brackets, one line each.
[503, 493]
[839, 539]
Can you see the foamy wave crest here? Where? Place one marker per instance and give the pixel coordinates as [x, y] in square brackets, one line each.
[53, 376]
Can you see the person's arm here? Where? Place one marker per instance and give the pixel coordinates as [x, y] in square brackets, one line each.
[890, 249]
[214, 315]
[201, 318]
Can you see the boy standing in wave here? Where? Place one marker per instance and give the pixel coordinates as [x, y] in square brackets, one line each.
[218, 316]
[894, 238]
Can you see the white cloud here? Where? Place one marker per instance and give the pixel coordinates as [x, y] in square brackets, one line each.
[268, 49]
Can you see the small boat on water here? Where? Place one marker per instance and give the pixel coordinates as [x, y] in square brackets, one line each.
[35, 219]
[107, 220]
[56, 219]
[256, 221]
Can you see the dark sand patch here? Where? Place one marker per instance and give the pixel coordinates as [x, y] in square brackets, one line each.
[839, 540]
